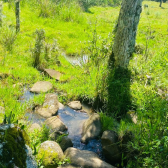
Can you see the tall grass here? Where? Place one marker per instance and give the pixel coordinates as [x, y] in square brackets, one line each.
[86, 4]
[40, 36]
[67, 10]
[64, 21]
[7, 37]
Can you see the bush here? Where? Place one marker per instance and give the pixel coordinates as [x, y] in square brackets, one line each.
[40, 36]
[107, 122]
[86, 4]
[67, 10]
[8, 37]
[151, 133]
[46, 8]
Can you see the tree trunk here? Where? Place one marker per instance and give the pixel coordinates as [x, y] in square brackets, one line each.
[17, 13]
[1, 7]
[124, 42]
[160, 3]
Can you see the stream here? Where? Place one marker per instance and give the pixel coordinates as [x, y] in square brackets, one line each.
[74, 60]
[72, 119]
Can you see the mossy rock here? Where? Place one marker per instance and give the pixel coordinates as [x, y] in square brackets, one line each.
[12, 146]
[50, 154]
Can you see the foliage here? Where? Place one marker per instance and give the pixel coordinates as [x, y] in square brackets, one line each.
[40, 36]
[86, 4]
[99, 49]
[67, 10]
[37, 137]
[46, 158]
[107, 122]
[9, 119]
[59, 139]
[151, 133]
[7, 37]
[119, 98]
[143, 89]
[45, 8]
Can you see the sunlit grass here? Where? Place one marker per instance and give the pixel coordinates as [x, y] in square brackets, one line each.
[73, 37]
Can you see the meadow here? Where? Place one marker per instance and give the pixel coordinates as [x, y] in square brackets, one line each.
[72, 31]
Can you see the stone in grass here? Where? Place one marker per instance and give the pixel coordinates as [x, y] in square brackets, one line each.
[33, 127]
[2, 110]
[56, 124]
[53, 74]
[131, 115]
[76, 105]
[50, 154]
[110, 146]
[41, 86]
[91, 128]
[85, 158]
[17, 85]
[50, 106]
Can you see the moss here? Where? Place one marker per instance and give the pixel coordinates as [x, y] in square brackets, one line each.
[13, 140]
[48, 158]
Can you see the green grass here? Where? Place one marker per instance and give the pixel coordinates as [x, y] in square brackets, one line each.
[75, 35]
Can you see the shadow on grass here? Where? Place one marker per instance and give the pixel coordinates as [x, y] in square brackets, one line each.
[119, 98]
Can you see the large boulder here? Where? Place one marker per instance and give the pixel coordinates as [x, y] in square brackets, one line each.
[53, 74]
[85, 159]
[12, 146]
[41, 86]
[110, 147]
[66, 143]
[50, 106]
[76, 105]
[56, 124]
[50, 153]
[91, 128]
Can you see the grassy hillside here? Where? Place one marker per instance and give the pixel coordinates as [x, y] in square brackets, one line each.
[68, 29]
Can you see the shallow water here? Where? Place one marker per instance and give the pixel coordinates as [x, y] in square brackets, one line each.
[74, 60]
[35, 118]
[27, 95]
[72, 119]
